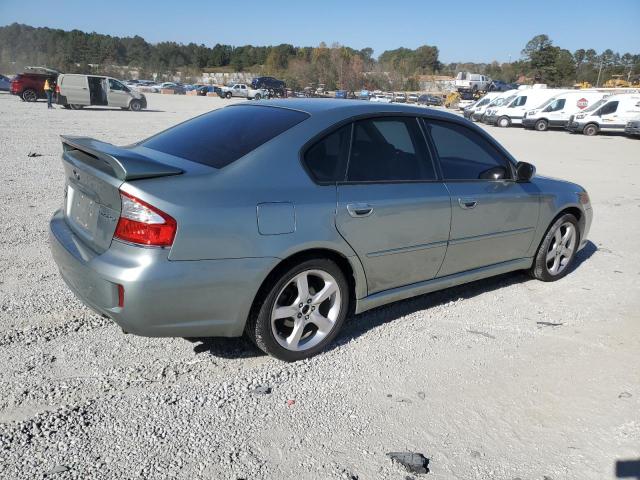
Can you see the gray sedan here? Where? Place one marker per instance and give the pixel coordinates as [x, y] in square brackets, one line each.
[278, 219]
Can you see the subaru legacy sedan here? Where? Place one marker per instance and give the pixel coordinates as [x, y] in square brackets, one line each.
[278, 219]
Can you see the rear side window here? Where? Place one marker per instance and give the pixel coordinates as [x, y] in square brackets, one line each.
[221, 137]
[465, 155]
[389, 149]
[327, 157]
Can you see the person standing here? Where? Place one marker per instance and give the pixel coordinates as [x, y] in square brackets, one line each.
[48, 90]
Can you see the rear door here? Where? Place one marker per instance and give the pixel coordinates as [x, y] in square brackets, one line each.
[117, 94]
[493, 217]
[75, 88]
[392, 208]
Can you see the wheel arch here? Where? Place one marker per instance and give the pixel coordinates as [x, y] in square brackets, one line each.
[350, 267]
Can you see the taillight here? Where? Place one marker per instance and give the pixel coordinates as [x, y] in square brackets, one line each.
[57, 88]
[144, 224]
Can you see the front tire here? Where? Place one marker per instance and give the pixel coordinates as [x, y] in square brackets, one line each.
[228, 95]
[542, 125]
[557, 250]
[257, 97]
[504, 122]
[590, 130]
[135, 105]
[300, 311]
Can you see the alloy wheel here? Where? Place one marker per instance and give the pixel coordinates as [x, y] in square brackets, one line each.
[561, 248]
[306, 310]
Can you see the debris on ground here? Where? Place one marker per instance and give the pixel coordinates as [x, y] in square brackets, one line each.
[549, 324]
[413, 462]
[262, 390]
[34, 154]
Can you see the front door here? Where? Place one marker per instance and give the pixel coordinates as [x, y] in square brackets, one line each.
[493, 217]
[392, 209]
[556, 112]
[118, 94]
[609, 116]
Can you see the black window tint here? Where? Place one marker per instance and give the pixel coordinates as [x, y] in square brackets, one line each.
[223, 136]
[389, 149]
[326, 158]
[464, 154]
[609, 108]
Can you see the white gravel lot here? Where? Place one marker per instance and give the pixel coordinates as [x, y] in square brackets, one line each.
[471, 377]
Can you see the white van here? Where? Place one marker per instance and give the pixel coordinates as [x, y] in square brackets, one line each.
[611, 114]
[77, 91]
[493, 99]
[555, 112]
[513, 112]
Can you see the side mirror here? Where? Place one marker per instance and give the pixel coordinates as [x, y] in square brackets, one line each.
[524, 171]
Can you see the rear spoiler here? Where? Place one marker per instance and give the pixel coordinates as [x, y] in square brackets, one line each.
[127, 164]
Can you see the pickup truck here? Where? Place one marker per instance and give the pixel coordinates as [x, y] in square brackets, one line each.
[242, 90]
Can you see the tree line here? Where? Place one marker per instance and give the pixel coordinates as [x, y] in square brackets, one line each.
[335, 66]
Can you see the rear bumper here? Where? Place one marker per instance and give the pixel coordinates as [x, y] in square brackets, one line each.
[161, 297]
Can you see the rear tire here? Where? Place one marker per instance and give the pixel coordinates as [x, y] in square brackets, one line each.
[542, 125]
[591, 130]
[504, 122]
[75, 106]
[29, 95]
[228, 95]
[257, 97]
[314, 320]
[557, 250]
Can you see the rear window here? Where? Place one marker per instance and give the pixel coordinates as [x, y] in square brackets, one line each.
[221, 137]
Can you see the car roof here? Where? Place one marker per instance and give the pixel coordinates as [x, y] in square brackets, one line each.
[318, 106]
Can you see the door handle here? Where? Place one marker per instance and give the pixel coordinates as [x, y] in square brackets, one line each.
[359, 209]
[467, 203]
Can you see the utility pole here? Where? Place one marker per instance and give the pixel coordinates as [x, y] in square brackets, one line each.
[599, 72]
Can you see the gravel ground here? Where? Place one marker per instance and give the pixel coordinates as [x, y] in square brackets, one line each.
[507, 378]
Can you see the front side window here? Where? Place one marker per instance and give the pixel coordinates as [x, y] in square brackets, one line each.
[520, 101]
[465, 154]
[222, 136]
[556, 105]
[327, 157]
[115, 85]
[608, 108]
[389, 149]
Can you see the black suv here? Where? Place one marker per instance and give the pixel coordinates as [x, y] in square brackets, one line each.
[275, 86]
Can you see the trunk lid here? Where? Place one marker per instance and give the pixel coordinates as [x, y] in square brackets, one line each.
[94, 173]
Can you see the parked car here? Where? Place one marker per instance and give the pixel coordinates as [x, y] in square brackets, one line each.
[276, 87]
[176, 89]
[429, 100]
[208, 89]
[247, 220]
[500, 86]
[399, 97]
[633, 127]
[5, 84]
[478, 111]
[29, 85]
[412, 98]
[380, 98]
[556, 111]
[513, 112]
[341, 94]
[610, 115]
[242, 90]
[479, 104]
[471, 81]
[77, 91]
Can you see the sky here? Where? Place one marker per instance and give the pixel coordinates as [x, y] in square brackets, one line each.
[475, 31]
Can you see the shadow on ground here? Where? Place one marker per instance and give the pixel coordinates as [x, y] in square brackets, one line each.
[356, 325]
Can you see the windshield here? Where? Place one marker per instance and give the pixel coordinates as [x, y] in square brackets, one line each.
[594, 106]
[482, 102]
